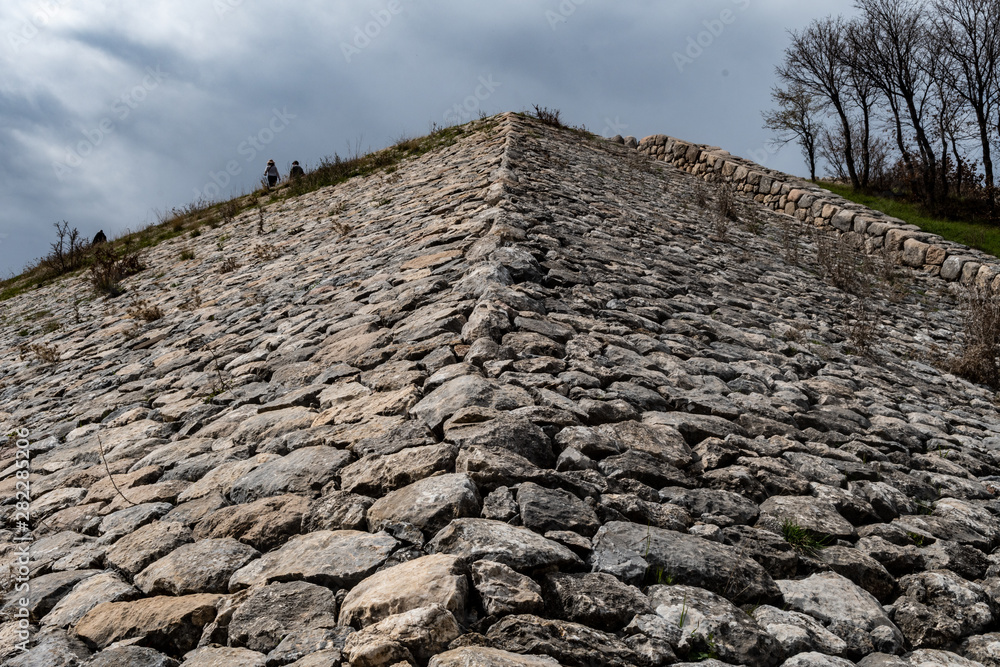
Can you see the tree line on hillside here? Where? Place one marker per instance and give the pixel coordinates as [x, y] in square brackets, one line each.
[904, 96]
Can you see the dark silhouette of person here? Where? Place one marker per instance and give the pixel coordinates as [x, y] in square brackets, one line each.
[296, 170]
[271, 174]
[99, 238]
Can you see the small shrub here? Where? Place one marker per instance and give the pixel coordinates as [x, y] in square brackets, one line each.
[790, 239]
[841, 263]
[978, 359]
[229, 210]
[187, 253]
[701, 193]
[229, 265]
[862, 329]
[265, 253]
[110, 268]
[195, 233]
[548, 116]
[753, 220]
[68, 251]
[720, 227]
[46, 353]
[725, 202]
[141, 310]
[193, 301]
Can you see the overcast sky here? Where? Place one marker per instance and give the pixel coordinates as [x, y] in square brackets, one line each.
[114, 111]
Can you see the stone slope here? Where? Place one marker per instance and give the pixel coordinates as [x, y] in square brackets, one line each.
[519, 402]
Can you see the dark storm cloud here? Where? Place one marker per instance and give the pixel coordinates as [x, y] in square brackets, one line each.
[242, 81]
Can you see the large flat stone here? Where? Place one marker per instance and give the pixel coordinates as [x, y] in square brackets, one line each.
[335, 558]
[437, 579]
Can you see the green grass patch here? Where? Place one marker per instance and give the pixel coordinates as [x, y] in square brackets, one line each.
[802, 539]
[975, 235]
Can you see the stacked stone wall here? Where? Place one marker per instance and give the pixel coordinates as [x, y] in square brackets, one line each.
[813, 205]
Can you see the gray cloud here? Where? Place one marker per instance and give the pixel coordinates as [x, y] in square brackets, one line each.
[365, 73]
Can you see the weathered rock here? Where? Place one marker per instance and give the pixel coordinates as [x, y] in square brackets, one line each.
[812, 514]
[482, 656]
[338, 558]
[500, 505]
[134, 552]
[304, 471]
[653, 639]
[300, 644]
[798, 633]
[815, 659]
[721, 508]
[134, 656]
[569, 643]
[263, 524]
[497, 430]
[492, 468]
[544, 509]
[466, 391]
[597, 600]
[939, 607]
[414, 635]
[504, 591]
[171, 625]
[847, 610]
[44, 592]
[861, 569]
[937, 658]
[429, 504]
[983, 648]
[337, 510]
[272, 612]
[222, 656]
[519, 548]
[631, 552]
[709, 622]
[378, 475]
[437, 579]
[52, 647]
[87, 594]
[204, 566]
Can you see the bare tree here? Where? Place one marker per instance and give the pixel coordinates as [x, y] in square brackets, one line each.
[969, 31]
[895, 55]
[815, 61]
[795, 119]
[67, 251]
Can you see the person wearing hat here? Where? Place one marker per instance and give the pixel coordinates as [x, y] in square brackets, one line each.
[296, 170]
[271, 174]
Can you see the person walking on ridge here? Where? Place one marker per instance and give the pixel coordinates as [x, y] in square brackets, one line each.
[271, 174]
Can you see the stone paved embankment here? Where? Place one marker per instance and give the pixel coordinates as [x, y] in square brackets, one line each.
[522, 402]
